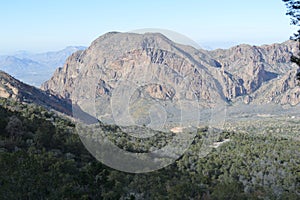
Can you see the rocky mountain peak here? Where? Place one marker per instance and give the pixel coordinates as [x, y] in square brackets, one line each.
[175, 71]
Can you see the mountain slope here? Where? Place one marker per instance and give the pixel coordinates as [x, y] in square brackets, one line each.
[14, 89]
[33, 140]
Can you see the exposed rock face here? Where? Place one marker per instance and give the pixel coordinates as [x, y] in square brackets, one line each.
[12, 88]
[158, 91]
[116, 56]
[283, 90]
[257, 74]
[160, 69]
[255, 65]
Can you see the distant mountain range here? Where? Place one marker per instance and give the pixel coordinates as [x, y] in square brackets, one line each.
[34, 69]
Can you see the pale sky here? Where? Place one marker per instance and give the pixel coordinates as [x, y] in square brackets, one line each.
[37, 25]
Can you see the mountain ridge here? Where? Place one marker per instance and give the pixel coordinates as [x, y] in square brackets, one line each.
[239, 73]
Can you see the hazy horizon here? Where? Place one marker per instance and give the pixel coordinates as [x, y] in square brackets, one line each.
[37, 26]
[205, 45]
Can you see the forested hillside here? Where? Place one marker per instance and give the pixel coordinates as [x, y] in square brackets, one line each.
[41, 157]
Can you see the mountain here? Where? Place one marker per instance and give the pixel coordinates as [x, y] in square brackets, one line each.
[34, 69]
[131, 70]
[266, 73]
[161, 70]
[11, 88]
[150, 72]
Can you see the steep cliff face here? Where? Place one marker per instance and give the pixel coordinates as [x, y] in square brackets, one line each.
[14, 89]
[256, 65]
[154, 66]
[167, 71]
[265, 73]
[63, 78]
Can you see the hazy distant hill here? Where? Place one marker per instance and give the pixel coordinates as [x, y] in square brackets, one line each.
[34, 69]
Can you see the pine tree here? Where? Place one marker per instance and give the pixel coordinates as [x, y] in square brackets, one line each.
[293, 10]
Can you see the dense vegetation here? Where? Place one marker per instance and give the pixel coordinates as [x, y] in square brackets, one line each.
[41, 157]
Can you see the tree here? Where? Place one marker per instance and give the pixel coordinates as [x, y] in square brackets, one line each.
[14, 127]
[293, 7]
